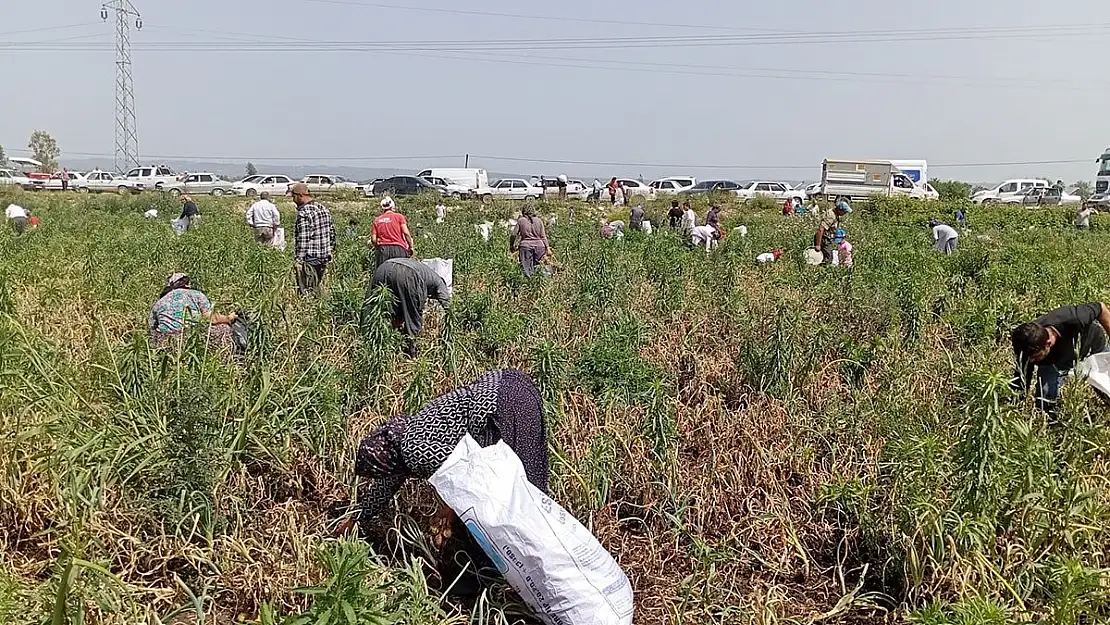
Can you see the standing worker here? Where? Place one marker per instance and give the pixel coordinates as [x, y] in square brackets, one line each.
[1051, 342]
[189, 212]
[263, 217]
[1083, 216]
[945, 237]
[613, 186]
[562, 181]
[825, 238]
[390, 234]
[65, 179]
[636, 218]
[689, 220]
[530, 240]
[713, 217]
[313, 240]
[674, 216]
[411, 283]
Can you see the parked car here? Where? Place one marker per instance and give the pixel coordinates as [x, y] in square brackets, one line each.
[776, 190]
[106, 182]
[199, 184]
[404, 185]
[1008, 192]
[152, 177]
[271, 183]
[672, 185]
[635, 188]
[55, 181]
[454, 189]
[322, 183]
[8, 176]
[513, 189]
[576, 189]
[710, 186]
[1047, 196]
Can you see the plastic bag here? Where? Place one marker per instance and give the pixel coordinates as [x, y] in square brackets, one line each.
[647, 227]
[484, 230]
[1096, 369]
[179, 225]
[444, 268]
[556, 565]
[279, 239]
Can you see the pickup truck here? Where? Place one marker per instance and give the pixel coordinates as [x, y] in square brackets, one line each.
[859, 180]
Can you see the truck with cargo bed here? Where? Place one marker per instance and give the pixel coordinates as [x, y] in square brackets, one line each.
[862, 179]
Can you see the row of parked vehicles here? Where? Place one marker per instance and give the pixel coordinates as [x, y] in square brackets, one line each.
[857, 179]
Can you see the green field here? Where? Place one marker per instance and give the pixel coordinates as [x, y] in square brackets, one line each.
[777, 444]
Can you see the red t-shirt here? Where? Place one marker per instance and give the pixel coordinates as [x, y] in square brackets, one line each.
[389, 229]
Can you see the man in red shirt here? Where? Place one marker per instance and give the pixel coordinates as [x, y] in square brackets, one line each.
[390, 234]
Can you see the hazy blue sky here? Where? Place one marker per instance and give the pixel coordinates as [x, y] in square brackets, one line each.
[1003, 93]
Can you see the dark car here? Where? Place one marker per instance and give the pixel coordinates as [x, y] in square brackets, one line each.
[709, 186]
[406, 185]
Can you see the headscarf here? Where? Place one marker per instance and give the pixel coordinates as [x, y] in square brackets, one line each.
[379, 453]
[387, 203]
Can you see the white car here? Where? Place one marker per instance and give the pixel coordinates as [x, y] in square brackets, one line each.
[513, 189]
[635, 188]
[766, 188]
[152, 177]
[576, 189]
[8, 176]
[55, 181]
[1007, 191]
[275, 185]
[672, 185]
[106, 182]
[322, 183]
[454, 189]
[199, 184]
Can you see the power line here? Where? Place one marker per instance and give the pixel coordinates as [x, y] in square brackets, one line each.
[551, 18]
[515, 45]
[48, 28]
[551, 161]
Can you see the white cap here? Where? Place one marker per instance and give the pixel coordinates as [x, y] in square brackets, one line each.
[387, 203]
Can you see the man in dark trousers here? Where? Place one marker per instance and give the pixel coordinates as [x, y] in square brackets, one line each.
[190, 214]
[411, 283]
[313, 240]
[1052, 343]
[674, 216]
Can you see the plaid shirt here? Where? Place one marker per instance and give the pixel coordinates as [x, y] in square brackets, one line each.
[313, 234]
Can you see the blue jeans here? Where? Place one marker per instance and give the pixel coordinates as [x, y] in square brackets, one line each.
[1049, 381]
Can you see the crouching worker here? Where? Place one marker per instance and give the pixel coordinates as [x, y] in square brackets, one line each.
[180, 307]
[411, 283]
[500, 405]
[1051, 343]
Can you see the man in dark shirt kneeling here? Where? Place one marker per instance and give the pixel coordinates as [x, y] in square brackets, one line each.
[1054, 342]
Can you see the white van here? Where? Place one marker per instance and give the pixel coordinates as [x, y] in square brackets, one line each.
[1007, 191]
[469, 178]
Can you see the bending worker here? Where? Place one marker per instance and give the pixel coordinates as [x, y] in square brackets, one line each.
[1051, 343]
[500, 405]
[411, 283]
[825, 238]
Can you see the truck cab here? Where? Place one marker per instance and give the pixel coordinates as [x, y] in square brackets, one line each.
[1102, 180]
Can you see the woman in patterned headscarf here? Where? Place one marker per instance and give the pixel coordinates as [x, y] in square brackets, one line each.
[500, 405]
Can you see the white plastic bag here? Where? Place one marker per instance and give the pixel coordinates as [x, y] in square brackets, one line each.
[279, 239]
[1096, 369]
[444, 268]
[647, 227]
[549, 558]
[179, 225]
[484, 229]
[151, 214]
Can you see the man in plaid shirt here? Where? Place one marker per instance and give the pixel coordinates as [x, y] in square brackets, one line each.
[313, 240]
